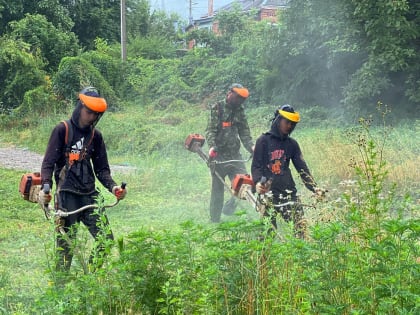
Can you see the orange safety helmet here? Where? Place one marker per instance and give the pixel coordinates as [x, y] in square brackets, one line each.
[240, 90]
[89, 97]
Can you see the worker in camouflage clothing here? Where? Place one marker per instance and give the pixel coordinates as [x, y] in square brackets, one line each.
[227, 128]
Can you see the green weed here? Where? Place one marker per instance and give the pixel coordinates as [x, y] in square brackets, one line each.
[360, 257]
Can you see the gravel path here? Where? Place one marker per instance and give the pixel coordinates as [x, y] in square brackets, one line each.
[27, 161]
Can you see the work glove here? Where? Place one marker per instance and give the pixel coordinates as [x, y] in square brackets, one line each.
[212, 153]
[260, 188]
[119, 192]
[43, 198]
[320, 193]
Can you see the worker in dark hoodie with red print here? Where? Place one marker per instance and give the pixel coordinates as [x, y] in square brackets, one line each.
[270, 169]
[74, 166]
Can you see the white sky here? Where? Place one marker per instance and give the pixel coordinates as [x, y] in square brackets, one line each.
[199, 7]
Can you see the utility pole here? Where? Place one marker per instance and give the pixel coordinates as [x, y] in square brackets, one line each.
[210, 8]
[123, 33]
[190, 17]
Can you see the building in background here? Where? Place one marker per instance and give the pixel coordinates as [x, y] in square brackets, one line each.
[188, 10]
[265, 10]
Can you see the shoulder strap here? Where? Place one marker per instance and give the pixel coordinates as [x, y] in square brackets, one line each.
[220, 110]
[69, 133]
[68, 138]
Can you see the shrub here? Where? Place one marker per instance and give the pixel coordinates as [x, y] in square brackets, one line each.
[74, 73]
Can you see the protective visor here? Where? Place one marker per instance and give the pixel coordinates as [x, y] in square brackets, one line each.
[96, 104]
[293, 117]
[243, 92]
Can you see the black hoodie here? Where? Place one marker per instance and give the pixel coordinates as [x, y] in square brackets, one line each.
[271, 159]
[80, 177]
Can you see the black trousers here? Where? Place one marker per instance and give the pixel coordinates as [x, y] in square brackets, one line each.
[91, 218]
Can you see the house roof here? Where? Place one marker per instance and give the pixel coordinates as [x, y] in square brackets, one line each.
[246, 5]
[255, 4]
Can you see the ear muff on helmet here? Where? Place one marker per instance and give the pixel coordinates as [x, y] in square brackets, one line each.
[89, 97]
[240, 90]
[287, 112]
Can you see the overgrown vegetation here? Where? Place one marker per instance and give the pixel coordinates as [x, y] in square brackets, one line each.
[326, 54]
[362, 251]
[360, 256]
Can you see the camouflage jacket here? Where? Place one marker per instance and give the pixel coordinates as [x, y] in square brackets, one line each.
[227, 127]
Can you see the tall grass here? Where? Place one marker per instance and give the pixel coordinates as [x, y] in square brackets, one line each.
[360, 257]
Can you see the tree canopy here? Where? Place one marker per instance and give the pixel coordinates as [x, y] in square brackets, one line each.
[342, 56]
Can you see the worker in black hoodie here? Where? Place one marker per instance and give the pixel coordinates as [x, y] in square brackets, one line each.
[271, 172]
[75, 154]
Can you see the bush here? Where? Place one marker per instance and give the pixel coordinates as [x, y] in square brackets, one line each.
[20, 72]
[110, 67]
[41, 102]
[74, 73]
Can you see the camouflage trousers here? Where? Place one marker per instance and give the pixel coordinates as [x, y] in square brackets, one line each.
[224, 170]
[290, 213]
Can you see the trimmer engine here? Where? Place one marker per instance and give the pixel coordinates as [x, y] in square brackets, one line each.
[29, 186]
[239, 181]
[194, 141]
[242, 187]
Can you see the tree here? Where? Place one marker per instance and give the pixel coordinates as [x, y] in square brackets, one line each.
[233, 25]
[352, 52]
[74, 73]
[19, 72]
[390, 73]
[56, 13]
[138, 18]
[52, 43]
[10, 11]
[311, 53]
[93, 19]
[16, 10]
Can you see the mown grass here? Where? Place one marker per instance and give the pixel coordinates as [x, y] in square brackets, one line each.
[167, 186]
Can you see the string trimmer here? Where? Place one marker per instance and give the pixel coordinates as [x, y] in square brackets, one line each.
[194, 143]
[242, 184]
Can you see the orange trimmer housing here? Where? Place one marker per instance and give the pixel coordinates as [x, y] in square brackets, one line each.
[193, 140]
[239, 180]
[27, 182]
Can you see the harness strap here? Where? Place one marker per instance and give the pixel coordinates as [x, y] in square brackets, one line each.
[220, 111]
[68, 142]
[69, 132]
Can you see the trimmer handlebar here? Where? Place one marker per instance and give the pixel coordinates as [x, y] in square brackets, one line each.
[63, 213]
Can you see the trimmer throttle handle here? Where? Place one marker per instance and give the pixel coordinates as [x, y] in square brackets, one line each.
[46, 188]
[123, 184]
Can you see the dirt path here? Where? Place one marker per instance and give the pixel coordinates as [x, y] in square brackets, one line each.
[28, 161]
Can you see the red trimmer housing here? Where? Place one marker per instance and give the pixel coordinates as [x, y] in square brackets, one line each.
[29, 186]
[239, 180]
[193, 141]
[242, 186]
